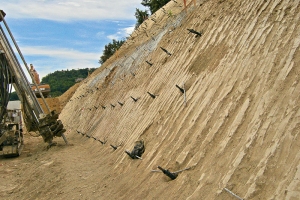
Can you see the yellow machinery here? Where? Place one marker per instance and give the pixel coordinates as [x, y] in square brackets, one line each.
[34, 117]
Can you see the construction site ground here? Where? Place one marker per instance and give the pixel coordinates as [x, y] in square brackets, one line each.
[236, 128]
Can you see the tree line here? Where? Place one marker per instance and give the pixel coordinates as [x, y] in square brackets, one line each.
[61, 81]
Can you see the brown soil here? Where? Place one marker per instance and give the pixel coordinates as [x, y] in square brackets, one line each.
[238, 130]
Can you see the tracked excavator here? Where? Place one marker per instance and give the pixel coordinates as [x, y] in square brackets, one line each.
[45, 124]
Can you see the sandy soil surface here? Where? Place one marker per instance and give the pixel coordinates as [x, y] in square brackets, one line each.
[238, 130]
[58, 103]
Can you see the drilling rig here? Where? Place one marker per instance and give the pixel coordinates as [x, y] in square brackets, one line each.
[35, 118]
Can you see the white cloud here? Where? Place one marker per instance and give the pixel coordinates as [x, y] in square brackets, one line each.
[60, 59]
[116, 36]
[100, 34]
[48, 59]
[129, 30]
[59, 10]
[69, 4]
[59, 53]
[122, 33]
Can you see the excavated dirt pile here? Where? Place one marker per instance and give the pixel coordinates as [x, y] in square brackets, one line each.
[234, 128]
[58, 103]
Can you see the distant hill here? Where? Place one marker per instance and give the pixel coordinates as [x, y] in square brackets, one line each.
[61, 81]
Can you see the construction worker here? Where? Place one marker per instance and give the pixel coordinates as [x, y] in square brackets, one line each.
[35, 74]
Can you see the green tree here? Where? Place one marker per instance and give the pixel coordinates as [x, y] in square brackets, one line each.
[154, 5]
[140, 16]
[110, 49]
[61, 81]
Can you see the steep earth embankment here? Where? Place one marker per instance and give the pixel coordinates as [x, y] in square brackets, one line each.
[239, 128]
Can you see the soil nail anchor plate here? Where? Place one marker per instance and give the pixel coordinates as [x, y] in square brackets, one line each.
[181, 89]
[168, 173]
[102, 142]
[165, 50]
[198, 34]
[149, 63]
[114, 147]
[152, 95]
[134, 99]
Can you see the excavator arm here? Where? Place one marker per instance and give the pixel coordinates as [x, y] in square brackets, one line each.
[12, 74]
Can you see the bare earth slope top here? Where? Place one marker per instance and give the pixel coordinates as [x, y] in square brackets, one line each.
[237, 130]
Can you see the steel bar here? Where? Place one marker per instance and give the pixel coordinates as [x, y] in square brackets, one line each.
[236, 196]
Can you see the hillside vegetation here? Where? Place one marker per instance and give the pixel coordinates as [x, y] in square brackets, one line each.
[61, 81]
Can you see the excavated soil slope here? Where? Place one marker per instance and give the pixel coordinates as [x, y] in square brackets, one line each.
[237, 131]
[58, 103]
[53, 103]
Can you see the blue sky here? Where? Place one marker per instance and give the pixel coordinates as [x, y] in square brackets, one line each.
[58, 35]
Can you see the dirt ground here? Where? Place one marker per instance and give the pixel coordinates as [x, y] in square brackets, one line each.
[42, 173]
[236, 128]
[38, 164]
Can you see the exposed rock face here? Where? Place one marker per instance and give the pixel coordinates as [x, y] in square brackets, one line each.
[240, 124]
